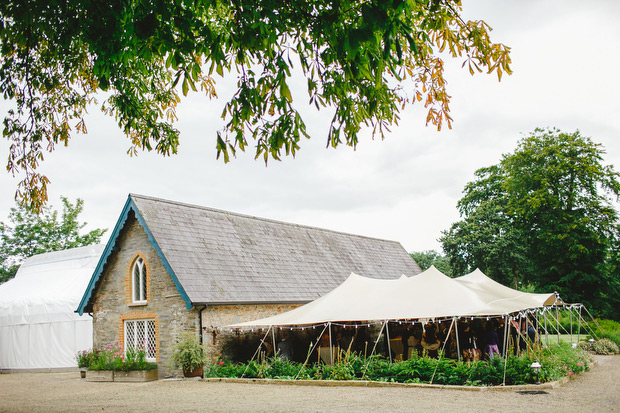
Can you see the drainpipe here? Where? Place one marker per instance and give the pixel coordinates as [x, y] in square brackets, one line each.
[200, 321]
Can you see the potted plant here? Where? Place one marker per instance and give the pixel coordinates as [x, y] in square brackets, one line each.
[189, 354]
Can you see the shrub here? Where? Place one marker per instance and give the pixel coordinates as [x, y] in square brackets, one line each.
[606, 346]
[603, 346]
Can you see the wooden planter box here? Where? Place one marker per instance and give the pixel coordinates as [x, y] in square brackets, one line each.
[100, 375]
[122, 376]
[136, 375]
[197, 372]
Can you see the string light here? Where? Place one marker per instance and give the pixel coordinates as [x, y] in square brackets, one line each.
[422, 321]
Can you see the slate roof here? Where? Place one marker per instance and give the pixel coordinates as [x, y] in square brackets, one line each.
[219, 257]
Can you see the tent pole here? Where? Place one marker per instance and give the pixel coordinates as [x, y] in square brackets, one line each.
[505, 347]
[595, 322]
[310, 352]
[443, 349]
[456, 330]
[528, 343]
[506, 330]
[260, 344]
[518, 343]
[273, 336]
[579, 325]
[331, 348]
[373, 350]
[387, 334]
[546, 331]
[570, 309]
[557, 316]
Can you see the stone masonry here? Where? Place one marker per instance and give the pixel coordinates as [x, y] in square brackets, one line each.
[215, 318]
[112, 299]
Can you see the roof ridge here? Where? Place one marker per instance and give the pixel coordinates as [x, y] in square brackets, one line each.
[55, 257]
[168, 201]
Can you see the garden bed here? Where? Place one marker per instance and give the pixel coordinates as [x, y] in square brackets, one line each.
[112, 364]
[557, 362]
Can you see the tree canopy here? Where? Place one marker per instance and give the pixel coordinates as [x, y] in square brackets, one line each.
[427, 258]
[29, 234]
[363, 60]
[544, 216]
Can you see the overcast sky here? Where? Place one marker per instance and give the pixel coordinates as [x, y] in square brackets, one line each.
[565, 54]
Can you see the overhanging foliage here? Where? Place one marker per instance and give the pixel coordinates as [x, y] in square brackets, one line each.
[365, 60]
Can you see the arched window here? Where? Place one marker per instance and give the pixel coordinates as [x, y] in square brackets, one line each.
[138, 281]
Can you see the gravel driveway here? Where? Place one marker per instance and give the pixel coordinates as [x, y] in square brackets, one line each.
[597, 390]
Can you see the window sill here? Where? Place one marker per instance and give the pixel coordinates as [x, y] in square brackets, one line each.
[138, 304]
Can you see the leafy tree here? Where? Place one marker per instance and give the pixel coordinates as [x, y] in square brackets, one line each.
[486, 237]
[364, 60]
[427, 258]
[544, 215]
[30, 233]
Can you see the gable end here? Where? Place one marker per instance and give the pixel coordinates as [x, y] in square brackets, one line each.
[85, 304]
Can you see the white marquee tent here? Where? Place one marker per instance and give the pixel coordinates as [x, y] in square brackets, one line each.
[429, 295]
[39, 328]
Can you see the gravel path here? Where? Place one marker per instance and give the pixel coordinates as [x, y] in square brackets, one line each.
[597, 390]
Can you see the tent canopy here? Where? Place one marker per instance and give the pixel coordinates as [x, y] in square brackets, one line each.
[497, 294]
[427, 295]
[39, 328]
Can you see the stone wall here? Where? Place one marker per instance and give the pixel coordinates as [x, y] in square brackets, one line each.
[112, 299]
[218, 339]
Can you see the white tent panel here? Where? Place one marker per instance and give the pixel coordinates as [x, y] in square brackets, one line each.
[428, 295]
[39, 328]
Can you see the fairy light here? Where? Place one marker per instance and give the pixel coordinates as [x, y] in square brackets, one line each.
[412, 322]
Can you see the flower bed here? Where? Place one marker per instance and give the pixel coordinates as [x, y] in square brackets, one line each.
[557, 362]
[129, 366]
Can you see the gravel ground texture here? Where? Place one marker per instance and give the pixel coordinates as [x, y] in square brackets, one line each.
[597, 390]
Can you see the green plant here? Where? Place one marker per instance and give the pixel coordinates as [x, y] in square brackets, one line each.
[86, 357]
[188, 353]
[113, 358]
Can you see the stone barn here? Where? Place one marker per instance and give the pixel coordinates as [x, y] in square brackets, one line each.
[170, 267]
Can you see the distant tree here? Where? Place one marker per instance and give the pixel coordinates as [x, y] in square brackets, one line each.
[363, 60]
[30, 234]
[430, 257]
[544, 216]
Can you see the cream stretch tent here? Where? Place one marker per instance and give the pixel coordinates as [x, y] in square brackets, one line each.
[39, 328]
[428, 295]
[498, 294]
